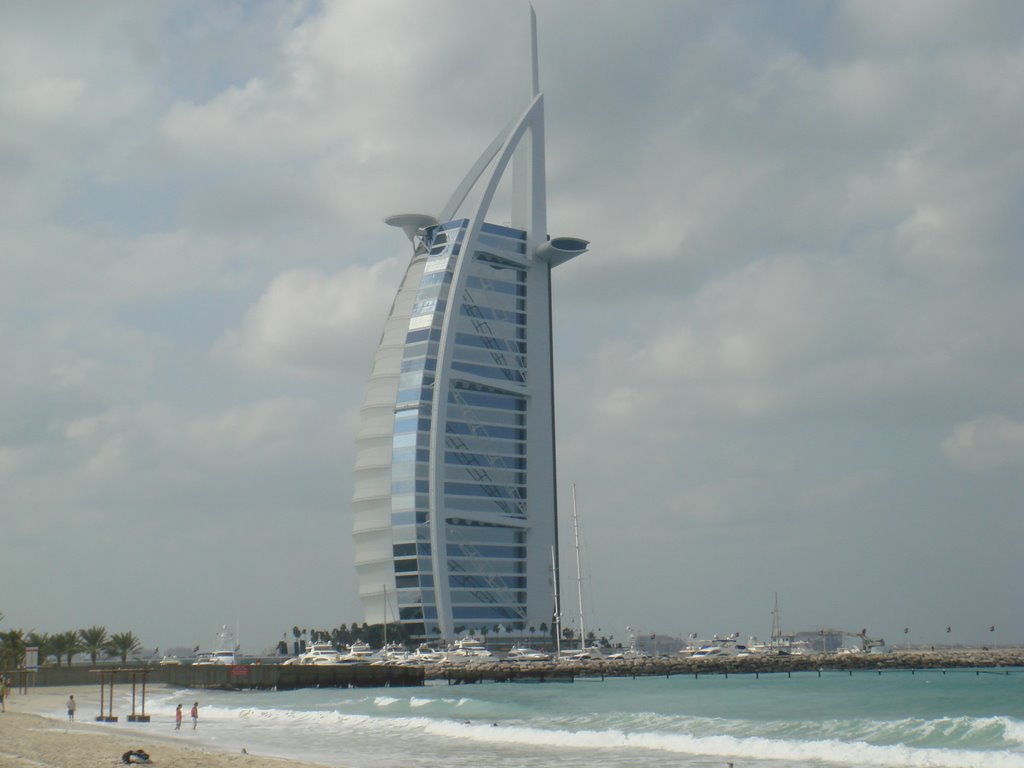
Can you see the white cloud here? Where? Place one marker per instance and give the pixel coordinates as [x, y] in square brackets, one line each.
[309, 323]
[805, 257]
[985, 444]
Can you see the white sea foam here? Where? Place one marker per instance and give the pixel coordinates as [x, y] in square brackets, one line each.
[639, 724]
[1013, 730]
[754, 748]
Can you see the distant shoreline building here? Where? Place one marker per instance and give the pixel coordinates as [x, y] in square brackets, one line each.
[454, 501]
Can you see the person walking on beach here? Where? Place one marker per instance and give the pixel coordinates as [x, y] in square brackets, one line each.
[72, 706]
[177, 718]
[3, 694]
[195, 715]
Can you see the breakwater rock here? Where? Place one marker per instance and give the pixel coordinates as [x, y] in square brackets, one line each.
[501, 671]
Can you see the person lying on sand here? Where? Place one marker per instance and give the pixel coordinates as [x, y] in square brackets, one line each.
[135, 756]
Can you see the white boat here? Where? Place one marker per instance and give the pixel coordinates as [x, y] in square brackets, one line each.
[226, 658]
[468, 648]
[318, 653]
[224, 652]
[523, 653]
[586, 653]
[721, 648]
[425, 654]
[391, 654]
[630, 654]
[358, 653]
[170, 661]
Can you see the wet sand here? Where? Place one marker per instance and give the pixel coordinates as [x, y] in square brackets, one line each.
[32, 737]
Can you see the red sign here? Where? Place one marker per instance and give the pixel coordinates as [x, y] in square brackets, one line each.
[239, 670]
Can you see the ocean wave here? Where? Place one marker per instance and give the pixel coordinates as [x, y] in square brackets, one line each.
[752, 748]
[1013, 730]
[963, 732]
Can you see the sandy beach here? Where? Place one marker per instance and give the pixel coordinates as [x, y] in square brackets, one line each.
[32, 737]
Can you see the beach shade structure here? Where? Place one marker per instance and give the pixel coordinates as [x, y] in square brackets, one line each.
[106, 678]
[138, 676]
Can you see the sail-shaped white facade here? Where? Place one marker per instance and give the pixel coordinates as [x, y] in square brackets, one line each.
[454, 488]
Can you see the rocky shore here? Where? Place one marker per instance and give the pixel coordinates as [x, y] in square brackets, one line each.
[981, 659]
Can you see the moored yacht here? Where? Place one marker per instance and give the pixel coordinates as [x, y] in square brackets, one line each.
[358, 652]
[226, 658]
[467, 648]
[318, 653]
[523, 653]
[425, 654]
[392, 653]
[224, 651]
[586, 653]
[720, 648]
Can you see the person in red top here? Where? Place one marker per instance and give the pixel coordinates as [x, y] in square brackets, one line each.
[177, 718]
[195, 715]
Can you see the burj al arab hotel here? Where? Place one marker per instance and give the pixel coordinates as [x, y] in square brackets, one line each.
[454, 499]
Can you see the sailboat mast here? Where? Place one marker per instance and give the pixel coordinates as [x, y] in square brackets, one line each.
[579, 571]
[558, 608]
[776, 622]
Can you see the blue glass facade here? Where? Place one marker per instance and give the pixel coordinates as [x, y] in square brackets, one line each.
[454, 514]
[484, 463]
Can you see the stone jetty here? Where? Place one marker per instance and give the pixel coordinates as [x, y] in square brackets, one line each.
[506, 671]
[282, 677]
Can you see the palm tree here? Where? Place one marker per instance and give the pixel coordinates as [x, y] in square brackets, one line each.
[66, 644]
[12, 648]
[93, 639]
[122, 644]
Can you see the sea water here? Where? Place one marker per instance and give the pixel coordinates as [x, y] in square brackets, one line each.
[954, 719]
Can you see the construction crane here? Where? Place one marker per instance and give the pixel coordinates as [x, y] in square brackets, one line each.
[867, 643]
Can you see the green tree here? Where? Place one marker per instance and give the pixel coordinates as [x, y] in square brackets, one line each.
[66, 644]
[122, 644]
[12, 648]
[93, 640]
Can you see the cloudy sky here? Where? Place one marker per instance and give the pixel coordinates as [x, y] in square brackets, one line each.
[791, 362]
